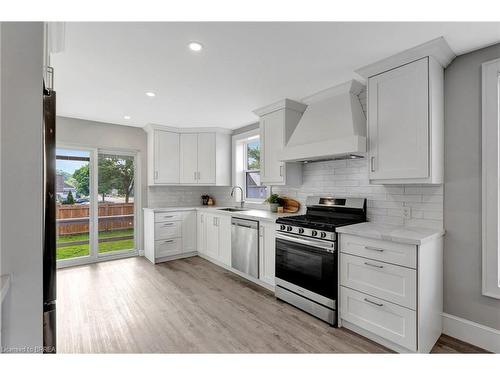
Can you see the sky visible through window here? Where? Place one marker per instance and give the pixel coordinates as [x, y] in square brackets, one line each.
[70, 166]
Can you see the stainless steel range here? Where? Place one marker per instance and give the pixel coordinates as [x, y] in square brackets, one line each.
[306, 254]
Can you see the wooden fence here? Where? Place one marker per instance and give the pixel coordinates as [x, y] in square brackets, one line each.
[74, 218]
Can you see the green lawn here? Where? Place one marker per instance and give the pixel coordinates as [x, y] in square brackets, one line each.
[73, 251]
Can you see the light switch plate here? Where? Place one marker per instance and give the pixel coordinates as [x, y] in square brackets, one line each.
[406, 212]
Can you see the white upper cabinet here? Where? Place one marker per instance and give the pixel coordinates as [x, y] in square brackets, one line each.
[165, 165]
[277, 123]
[406, 115]
[188, 156]
[206, 158]
[398, 123]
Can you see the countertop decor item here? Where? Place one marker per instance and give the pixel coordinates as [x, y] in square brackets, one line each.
[204, 199]
[211, 201]
[290, 205]
[274, 201]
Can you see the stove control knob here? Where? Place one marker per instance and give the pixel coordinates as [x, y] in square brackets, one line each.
[301, 230]
[314, 233]
[323, 234]
[289, 228]
[282, 227]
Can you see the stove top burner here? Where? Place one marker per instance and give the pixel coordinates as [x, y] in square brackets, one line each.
[327, 213]
[317, 222]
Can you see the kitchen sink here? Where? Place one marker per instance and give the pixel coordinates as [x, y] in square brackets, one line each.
[231, 209]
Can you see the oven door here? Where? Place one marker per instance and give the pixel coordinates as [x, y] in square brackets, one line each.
[307, 263]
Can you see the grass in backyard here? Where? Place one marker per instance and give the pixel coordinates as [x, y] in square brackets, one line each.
[73, 251]
[85, 236]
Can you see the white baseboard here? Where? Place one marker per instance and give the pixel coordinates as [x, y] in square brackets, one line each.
[476, 334]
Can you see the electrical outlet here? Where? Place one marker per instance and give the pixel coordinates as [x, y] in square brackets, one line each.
[406, 212]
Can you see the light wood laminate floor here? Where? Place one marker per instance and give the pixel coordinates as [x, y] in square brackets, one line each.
[190, 306]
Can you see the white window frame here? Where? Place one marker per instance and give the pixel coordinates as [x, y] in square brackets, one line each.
[490, 179]
[239, 162]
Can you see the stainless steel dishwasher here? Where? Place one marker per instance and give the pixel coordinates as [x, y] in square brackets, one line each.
[245, 246]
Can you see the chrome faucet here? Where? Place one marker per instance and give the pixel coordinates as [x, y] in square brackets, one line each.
[242, 202]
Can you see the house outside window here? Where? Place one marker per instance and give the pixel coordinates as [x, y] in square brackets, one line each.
[246, 149]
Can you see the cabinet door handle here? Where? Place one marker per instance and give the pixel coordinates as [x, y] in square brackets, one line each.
[374, 303]
[199, 175]
[195, 175]
[374, 248]
[281, 171]
[261, 231]
[373, 265]
[156, 175]
[372, 163]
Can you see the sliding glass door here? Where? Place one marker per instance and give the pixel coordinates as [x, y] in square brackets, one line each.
[116, 186]
[96, 205]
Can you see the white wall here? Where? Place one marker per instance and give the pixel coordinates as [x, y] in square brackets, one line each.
[78, 132]
[21, 190]
[462, 192]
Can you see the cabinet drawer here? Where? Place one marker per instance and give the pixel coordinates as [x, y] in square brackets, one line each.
[167, 230]
[385, 251]
[165, 248]
[387, 320]
[386, 281]
[167, 216]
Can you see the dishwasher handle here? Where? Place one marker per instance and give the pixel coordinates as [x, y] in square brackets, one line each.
[249, 224]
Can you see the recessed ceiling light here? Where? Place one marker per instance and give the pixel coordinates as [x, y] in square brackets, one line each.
[195, 46]
[126, 117]
[151, 94]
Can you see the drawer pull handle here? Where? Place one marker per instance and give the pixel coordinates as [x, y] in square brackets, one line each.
[374, 248]
[168, 241]
[167, 217]
[168, 224]
[374, 303]
[373, 265]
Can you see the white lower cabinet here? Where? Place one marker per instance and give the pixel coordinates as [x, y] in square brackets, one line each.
[392, 292]
[169, 235]
[214, 237]
[388, 320]
[267, 252]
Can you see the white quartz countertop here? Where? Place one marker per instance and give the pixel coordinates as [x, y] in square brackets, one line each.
[395, 233]
[247, 214]
[4, 286]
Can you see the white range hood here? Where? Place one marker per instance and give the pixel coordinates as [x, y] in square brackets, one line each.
[332, 127]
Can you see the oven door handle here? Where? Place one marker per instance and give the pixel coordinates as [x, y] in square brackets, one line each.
[315, 243]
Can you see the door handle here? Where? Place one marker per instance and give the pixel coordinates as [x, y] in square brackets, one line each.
[281, 171]
[372, 163]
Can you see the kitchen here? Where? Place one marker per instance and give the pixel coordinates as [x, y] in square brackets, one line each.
[333, 213]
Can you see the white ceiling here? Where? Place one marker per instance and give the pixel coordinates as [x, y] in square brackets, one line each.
[106, 68]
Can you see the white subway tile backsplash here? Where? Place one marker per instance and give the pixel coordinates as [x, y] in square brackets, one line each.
[385, 203]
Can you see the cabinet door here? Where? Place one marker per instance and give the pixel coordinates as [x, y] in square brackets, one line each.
[166, 157]
[206, 158]
[267, 252]
[398, 122]
[189, 232]
[212, 236]
[271, 138]
[201, 231]
[224, 226]
[188, 158]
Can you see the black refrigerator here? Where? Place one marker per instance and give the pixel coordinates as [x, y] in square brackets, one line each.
[49, 220]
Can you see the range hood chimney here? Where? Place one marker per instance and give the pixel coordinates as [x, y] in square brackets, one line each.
[333, 126]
